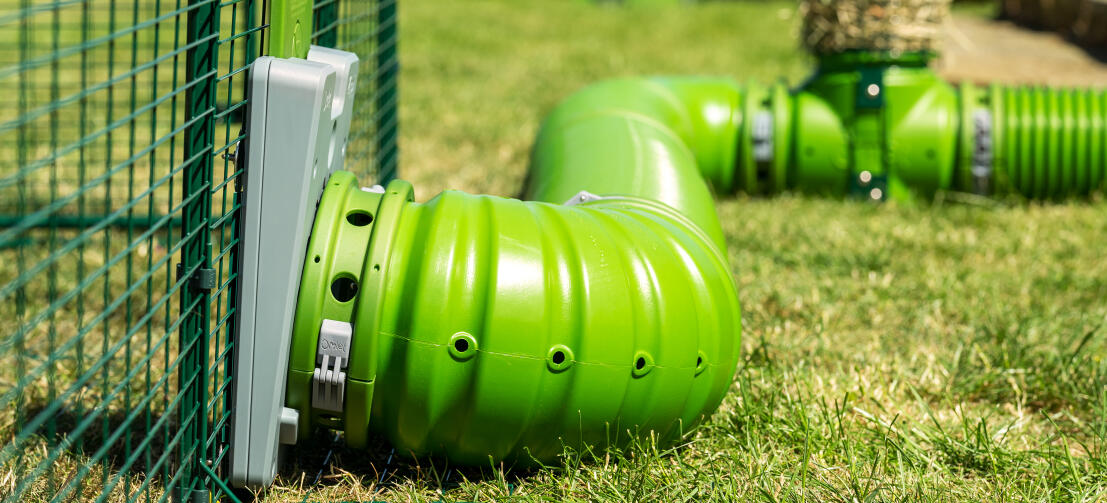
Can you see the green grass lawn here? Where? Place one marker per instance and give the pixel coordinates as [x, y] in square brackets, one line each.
[939, 352]
[933, 352]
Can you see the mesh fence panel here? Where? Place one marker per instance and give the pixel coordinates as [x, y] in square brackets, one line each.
[369, 30]
[117, 196]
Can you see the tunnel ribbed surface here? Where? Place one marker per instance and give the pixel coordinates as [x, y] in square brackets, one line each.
[1050, 142]
[491, 328]
[635, 297]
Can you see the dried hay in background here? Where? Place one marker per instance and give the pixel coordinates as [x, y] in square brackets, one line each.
[831, 26]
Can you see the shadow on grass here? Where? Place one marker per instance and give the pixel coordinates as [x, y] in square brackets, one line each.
[79, 453]
[325, 461]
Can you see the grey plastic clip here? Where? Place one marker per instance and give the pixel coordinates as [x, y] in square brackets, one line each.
[762, 135]
[982, 151]
[582, 197]
[290, 424]
[331, 357]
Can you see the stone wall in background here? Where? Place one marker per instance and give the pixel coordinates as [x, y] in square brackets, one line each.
[1084, 20]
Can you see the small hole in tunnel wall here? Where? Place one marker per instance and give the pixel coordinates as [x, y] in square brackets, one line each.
[559, 358]
[359, 218]
[344, 288]
[640, 363]
[462, 346]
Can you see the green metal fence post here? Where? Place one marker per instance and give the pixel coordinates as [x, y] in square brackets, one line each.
[202, 71]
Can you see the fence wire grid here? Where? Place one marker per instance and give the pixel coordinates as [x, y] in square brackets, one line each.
[115, 193]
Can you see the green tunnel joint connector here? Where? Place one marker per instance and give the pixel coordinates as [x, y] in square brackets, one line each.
[335, 285]
[362, 369]
[868, 178]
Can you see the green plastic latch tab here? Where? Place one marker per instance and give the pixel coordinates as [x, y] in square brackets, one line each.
[290, 26]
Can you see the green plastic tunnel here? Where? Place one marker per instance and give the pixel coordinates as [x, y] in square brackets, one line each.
[491, 328]
[603, 307]
[865, 124]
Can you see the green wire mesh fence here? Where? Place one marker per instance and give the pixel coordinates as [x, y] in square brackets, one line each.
[369, 30]
[118, 209]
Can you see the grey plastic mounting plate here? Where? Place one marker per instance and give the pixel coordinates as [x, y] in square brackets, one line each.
[298, 123]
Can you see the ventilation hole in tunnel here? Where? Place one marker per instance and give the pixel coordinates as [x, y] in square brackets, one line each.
[317, 259]
[642, 363]
[344, 288]
[359, 218]
[699, 361]
[559, 358]
[462, 346]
